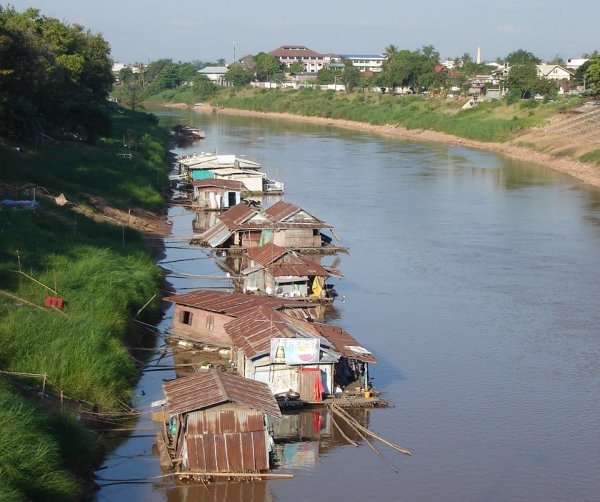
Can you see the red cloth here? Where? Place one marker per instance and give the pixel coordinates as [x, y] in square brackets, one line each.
[53, 301]
[318, 389]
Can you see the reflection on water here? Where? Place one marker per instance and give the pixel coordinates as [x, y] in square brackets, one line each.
[472, 278]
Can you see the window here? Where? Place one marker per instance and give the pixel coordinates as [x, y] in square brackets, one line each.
[210, 322]
[186, 317]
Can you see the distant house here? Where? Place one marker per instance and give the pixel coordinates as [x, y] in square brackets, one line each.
[217, 194]
[574, 63]
[277, 271]
[283, 224]
[219, 423]
[553, 72]
[215, 74]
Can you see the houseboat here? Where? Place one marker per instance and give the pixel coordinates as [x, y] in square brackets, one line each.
[284, 224]
[276, 271]
[217, 424]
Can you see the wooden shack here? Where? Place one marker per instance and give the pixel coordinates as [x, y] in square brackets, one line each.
[218, 423]
[243, 227]
[276, 271]
[201, 315]
[291, 354]
[216, 194]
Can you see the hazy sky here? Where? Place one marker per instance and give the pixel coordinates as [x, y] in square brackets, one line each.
[185, 30]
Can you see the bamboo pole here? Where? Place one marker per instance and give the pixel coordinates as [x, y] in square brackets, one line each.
[15, 297]
[369, 432]
[351, 441]
[369, 444]
[36, 281]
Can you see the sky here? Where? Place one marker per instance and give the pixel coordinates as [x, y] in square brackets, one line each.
[188, 30]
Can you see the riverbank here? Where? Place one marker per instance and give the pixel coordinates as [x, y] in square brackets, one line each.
[589, 173]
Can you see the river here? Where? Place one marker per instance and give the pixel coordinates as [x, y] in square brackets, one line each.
[475, 281]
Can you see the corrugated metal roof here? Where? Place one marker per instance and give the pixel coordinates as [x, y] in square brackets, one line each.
[294, 265]
[219, 183]
[211, 387]
[344, 343]
[237, 215]
[234, 304]
[253, 332]
[267, 253]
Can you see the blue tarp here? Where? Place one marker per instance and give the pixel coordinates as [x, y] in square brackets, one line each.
[20, 203]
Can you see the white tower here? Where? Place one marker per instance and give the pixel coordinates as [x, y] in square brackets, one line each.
[478, 55]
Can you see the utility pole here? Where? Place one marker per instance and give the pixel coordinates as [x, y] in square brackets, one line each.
[233, 51]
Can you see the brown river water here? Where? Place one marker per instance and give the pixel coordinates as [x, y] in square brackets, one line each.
[473, 279]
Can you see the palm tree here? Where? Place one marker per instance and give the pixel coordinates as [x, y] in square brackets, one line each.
[390, 51]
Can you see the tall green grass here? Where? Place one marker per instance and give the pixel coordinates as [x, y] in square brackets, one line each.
[486, 122]
[33, 464]
[103, 283]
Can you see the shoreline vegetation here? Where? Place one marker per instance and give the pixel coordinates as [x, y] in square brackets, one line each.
[518, 131]
[66, 374]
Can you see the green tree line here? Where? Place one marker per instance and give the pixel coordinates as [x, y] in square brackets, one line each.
[52, 76]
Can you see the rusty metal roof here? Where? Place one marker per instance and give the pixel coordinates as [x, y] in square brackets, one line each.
[286, 213]
[219, 183]
[267, 253]
[233, 304]
[239, 443]
[344, 343]
[211, 387]
[294, 266]
[253, 332]
[237, 215]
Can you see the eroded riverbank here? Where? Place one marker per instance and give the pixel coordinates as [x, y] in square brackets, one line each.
[587, 172]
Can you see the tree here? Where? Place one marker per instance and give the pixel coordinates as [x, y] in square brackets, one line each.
[296, 67]
[266, 66]
[237, 75]
[592, 76]
[523, 80]
[390, 51]
[134, 95]
[350, 75]
[522, 57]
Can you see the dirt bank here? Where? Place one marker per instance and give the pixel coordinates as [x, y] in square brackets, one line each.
[561, 135]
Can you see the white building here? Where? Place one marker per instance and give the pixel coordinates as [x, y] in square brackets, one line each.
[215, 74]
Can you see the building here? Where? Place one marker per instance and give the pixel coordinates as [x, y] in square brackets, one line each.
[217, 194]
[289, 54]
[201, 315]
[366, 62]
[277, 271]
[574, 63]
[283, 224]
[215, 74]
[218, 423]
[553, 72]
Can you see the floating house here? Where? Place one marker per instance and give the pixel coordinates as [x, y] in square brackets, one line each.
[200, 316]
[277, 271]
[293, 355]
[216, 194]
[218, 423]
[208, 166]
[284, 224]
[273, 340]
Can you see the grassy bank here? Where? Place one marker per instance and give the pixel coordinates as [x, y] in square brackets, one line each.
[105, 275]
[495, 121]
